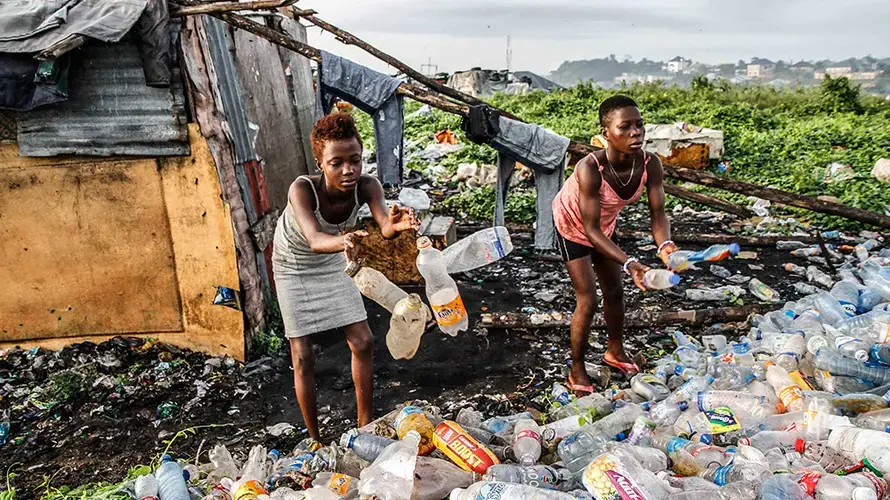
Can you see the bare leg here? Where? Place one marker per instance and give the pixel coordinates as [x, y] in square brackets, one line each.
[361, 343]
[303, 358]
[609, 275]
[584, 282]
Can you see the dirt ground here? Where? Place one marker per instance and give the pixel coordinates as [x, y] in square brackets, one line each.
[127, 400]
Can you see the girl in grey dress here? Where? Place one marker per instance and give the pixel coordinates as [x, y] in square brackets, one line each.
[312, 244]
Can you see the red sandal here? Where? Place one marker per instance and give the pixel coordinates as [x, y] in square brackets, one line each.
[622, 366]
[579, 388]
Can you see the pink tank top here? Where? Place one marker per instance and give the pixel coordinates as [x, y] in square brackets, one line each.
[567, 211]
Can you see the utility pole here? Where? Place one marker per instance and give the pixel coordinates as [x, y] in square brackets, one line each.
[509, 55]
[429, 69]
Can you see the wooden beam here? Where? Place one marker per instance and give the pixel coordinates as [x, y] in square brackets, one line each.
[422, 95]
[634, 319]
[707, 200]
[778, 196]
[195, 8]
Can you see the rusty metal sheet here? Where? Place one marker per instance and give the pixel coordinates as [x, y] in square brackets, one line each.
[110, 111]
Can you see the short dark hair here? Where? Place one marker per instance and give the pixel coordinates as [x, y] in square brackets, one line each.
[614, 103]
[333, 127]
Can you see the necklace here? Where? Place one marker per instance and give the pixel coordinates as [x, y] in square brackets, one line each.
[632, 171]
[340, 225]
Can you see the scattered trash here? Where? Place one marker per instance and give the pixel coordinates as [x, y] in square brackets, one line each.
[446, 137]
[834, 172]
[425, 110]
[759, 206]
[720, 271]
[414, 198]
[280, 428]
[228, 297]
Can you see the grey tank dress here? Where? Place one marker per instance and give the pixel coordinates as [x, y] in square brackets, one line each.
[314, 293]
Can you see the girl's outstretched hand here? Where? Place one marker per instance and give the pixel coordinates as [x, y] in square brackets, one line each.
[403, 219]
[666, 251]
[350, 244]
[637, 271]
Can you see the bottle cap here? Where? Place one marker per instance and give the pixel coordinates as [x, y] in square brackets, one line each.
[348, 439]
[674, 279]
[167, 458]
[186, 475]
[682, 405]
[706, 439]
[799, 445]
[734, 248]
[621, 436]
[423, 242]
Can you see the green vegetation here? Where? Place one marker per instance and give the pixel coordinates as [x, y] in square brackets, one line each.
[773, 137]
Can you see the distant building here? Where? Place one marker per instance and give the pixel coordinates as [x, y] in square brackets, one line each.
[760, 68]
[838, 71]
[678, 65]
[802, 67]
[864, 75]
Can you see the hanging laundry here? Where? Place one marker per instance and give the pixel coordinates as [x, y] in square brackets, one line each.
[373, 93]
[542, 151]
[154, 34]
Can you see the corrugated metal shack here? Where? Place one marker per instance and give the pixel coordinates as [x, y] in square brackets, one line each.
[124, 206]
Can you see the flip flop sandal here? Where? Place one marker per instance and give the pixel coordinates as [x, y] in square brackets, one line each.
[579, 388]
[624, 367]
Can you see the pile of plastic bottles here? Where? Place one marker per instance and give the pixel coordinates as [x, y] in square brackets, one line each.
[797, 408]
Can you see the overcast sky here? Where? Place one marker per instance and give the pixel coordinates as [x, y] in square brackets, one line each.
[459, 34]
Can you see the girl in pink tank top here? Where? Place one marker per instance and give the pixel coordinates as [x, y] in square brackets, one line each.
[586, 211]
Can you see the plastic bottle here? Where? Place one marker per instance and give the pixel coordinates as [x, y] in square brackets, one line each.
[666, 412]
[704, 454]
[462, 449]
[491, 490]
[735, 472]
[614, 475]
[642, 431]
[527, 441]
[479, 249]
[795, 269]
[787, 391]
[681, 260]
[863, 443]
[830, 459]
[815, 275]
[504, 425]
[408, 322]
[444, 297]
[620, 420]
[592, 407]
[146, 487]
[834, 362]
[435, 478]
[344, 486]
[246, 490]
[720, 271]
[749, 408]
[539, 476]
[375, 286]
[806, 289]
[790, 245]
[412, 418]
[831, 487]
[782, 487]
[830, 310]
[366, 446]
[171, 484]
[660, 279]
[847, 293]
[763, 292]
[806, 252]
[391, 476]
[767, 440]
[649, 387]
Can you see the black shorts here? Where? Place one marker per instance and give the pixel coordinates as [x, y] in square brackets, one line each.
[569, 250]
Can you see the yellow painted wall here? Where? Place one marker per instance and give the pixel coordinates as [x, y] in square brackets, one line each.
[94, 247]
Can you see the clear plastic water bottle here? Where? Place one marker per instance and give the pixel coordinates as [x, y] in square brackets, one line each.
[375, 286]
[649, 387]
[666, 412]
[146, 487]
[735, 472]
[863, 443]
[578, 449]
[444, 297]
[795, 269]
[406, 326]
[750, 409]
[830, 310]
[782, 487]
[834, 362]
[815, 275]
[527, 441]
[366, 446]
[491, 490]
[592, 406]
[767, 440]
[477, 250]
[847, 293]
[505, 424]
[171, 483]
[660, 279]
[539, 476]
[762, 291]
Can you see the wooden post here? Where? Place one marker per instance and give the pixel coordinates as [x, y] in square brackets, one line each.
[710, 201]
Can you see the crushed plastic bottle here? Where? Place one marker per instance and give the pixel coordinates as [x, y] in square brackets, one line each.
[477, 250]
[406, 326]
[660, 279]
